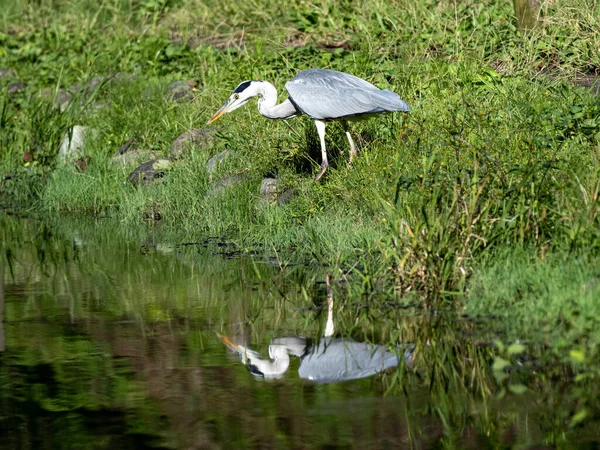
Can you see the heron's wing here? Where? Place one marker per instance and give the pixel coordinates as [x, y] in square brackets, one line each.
[328, 94]
[341, 359]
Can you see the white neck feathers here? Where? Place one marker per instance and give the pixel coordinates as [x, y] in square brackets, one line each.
[267, 104]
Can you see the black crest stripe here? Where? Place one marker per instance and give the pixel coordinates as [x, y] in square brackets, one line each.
[242, 87]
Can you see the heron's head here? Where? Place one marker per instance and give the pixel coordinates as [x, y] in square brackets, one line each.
[239, 97]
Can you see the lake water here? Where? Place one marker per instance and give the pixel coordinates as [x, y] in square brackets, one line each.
[117, 339]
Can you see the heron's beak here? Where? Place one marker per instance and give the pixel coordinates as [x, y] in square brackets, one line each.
[222, 110]
[224, 339]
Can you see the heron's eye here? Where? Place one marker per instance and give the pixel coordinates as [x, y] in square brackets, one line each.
[236, 96]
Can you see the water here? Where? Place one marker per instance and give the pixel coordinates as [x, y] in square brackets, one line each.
[110, 339]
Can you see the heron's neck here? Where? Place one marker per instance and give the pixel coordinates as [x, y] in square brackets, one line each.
[267, 104]
[275, 368]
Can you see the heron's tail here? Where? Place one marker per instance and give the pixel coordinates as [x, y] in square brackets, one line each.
[390, 101]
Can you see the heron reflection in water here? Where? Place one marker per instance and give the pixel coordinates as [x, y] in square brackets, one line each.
[329, 360]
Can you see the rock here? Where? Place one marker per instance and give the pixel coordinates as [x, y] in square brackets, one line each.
[133, 156]
[61, 98]
[224, 183]
[88, 87]
[212, 163]
[231, 41]
[6, 73]
[73, 143]
[175, 38]
[589, 81]
[16, 87]
[199, 137]
[123, 148]
[181, 91]
[149, 172]
[268, 190]
[128, 154]
[152, 213]
[82, 162]
[98, 106]
[122, 77]
[286, 197]
[46, 93]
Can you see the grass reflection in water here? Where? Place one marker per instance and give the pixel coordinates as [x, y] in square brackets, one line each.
[107, 346]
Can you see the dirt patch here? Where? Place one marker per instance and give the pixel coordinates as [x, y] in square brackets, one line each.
[334, 44]
[296, 40]
[223, 41]
[591, 81]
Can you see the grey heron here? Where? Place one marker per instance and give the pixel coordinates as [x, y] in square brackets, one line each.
[328, 360]
[324, 96]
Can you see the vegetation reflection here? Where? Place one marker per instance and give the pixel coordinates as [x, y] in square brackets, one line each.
[111, 337]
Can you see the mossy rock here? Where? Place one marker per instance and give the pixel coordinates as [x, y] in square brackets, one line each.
[150, 172]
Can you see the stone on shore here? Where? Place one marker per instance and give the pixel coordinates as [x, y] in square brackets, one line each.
[286, 197]
[268, 191]
[224, 183]
[150, 172]
[16, 88]
[73, 143]
[61, 98]
[197, 137]
[181, 91]
[6, 73]
[215, 161]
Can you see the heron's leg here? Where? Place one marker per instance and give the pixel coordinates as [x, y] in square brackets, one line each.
[353, 150]
[329, 327]
[324, 163]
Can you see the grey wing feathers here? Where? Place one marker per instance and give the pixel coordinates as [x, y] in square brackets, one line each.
[340, 360]
[327, 94]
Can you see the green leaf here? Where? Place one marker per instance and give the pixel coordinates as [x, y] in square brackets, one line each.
[517, 388]
[579, 417]
[499, 364]
[498, 369]
[500, 377]
[499, 345]
[589, 123]
[515, 349]
[583, 376]
[577, 356]
[492, 73]
[502, 393]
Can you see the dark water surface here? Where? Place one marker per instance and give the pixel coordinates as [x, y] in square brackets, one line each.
[112, 340]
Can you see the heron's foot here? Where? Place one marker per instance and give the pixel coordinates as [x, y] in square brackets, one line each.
[321, 172]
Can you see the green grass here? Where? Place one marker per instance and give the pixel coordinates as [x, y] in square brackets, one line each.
[554, 298]
[500, 150]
